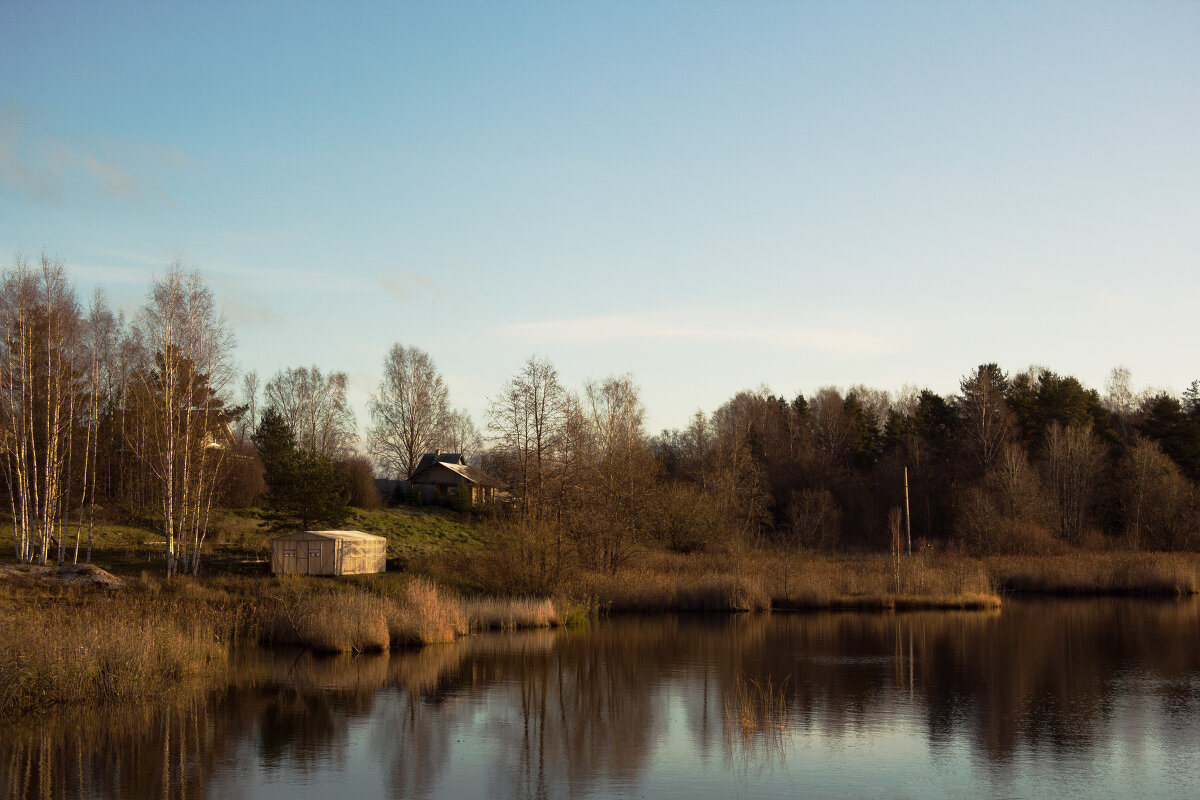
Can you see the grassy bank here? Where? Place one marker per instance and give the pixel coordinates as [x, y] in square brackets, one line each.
[764, 581]
[81, 635]
[1149, 574]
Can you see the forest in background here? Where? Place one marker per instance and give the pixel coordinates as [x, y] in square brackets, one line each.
[146, 419]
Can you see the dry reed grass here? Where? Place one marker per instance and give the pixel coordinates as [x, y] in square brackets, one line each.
[88, 652]
[666, 582]
[362, 617]
[422, 614]
[754, 707]
[510, 614]
[1170, 574]
[757, 721]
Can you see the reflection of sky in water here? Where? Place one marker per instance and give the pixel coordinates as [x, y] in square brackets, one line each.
[919, 706]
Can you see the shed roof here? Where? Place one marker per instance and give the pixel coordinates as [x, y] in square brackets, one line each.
[357, 536]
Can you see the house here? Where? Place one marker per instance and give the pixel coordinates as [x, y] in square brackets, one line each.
[440, 476]
[328, 553]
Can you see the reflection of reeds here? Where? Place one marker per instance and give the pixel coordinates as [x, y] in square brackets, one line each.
[757, 721]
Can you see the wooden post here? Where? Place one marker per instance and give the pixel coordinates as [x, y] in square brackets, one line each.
[907, 517]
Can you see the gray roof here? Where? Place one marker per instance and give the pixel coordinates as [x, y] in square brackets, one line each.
[468, 473]
[429, 459]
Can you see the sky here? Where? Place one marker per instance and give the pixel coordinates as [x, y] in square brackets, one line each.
[712, 196]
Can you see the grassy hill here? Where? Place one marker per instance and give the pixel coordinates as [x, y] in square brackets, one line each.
[237, 537]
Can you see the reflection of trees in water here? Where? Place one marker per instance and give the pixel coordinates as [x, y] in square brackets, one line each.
[565, 712]
[123, 753]
[557, 710]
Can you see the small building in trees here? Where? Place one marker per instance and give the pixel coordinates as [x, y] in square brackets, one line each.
[442, 476]
[328, 553]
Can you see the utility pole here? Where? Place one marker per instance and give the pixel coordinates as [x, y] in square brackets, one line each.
[907, 517]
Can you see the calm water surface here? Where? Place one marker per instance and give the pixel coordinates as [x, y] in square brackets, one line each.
[1048, 699]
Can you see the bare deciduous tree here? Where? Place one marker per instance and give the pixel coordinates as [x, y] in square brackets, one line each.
[103, 333]
[40, 384]
[829, 426]
[315, 408]
[408, 412]
[619, 476]
[1073, 460]
[1120, 400]
[527, 420]
[248, 423]
[180, 398]
[459, 435]
[1159, 504]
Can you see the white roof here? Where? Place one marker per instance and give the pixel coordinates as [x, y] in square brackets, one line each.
[355, 535]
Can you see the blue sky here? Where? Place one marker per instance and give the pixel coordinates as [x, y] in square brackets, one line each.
[712, 196]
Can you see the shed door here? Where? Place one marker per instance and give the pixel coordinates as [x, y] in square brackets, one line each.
[314, 551]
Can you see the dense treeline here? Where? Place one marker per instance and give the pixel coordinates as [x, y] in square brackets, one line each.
[139, 416]
[1023, 463]
[1031, 463]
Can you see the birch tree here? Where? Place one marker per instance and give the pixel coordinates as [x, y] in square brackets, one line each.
[102, 334]
[181, 399]
[39, 383]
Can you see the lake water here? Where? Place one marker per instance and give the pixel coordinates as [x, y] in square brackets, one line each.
[1096, 698]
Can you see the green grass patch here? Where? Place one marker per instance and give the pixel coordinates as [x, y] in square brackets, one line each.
[413, 531]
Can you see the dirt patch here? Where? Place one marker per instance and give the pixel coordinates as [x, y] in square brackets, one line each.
[75, 575]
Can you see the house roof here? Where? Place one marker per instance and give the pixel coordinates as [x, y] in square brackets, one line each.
[476, 476]
[468, 473]
[429, 459]
[357, 536]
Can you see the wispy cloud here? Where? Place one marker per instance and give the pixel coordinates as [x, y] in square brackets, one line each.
[250, 313]
[403, 285]
[697, 328]
[42, 168]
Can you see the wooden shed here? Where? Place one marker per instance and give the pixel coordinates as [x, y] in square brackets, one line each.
[328, 553]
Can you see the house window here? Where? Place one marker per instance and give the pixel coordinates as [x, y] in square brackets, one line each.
[313, 552]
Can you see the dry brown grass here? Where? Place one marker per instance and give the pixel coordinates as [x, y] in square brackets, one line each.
[510, 614]
[90, 650]
[1170, 574]
[717, 592]
[357, 617]
[870, 582]
[665, 582]
[422, 614]
[335, 623]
